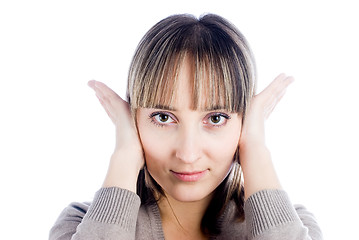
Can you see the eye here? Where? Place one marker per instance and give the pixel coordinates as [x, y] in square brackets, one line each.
[217, 119]
[161, 119]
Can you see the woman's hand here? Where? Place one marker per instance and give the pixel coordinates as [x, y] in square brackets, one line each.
[127, 159]
[258, 171]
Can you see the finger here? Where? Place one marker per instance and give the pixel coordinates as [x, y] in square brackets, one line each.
[277, 93]
[102, 90]
[281, 88]
[91, 83]
[107, 92]
[106, 107]
[98, 92]
[104, 98]
[280, 82]
[275, 88]
[274, 83]
[272, 106]
[273, 93]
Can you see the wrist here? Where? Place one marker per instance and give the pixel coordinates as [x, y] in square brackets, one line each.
[123, 169]
[129, 156]
[258, 170]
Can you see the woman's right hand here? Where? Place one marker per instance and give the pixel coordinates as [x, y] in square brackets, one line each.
[127, 159]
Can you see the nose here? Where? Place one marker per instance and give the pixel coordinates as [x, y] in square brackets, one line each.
[188, 145]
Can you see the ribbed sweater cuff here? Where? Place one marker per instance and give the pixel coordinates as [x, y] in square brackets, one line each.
[267, 209]
[115, 206]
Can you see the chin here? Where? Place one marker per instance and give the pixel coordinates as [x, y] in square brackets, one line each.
[188, 193]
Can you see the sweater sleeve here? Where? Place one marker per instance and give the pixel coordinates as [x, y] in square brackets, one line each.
[112, 215]
[270, 215]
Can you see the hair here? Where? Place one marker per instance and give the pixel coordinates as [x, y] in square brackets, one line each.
[224, 76]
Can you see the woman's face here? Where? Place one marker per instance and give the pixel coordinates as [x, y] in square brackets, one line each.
[188, 152]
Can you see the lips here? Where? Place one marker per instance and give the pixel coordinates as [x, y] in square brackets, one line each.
[190, 176]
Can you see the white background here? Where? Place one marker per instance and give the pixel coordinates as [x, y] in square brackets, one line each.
[56, 140]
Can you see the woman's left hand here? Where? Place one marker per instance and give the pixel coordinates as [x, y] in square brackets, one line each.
[261, 107]
[255, 158]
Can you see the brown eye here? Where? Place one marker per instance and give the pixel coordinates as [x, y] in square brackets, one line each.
[163, 117]
[215, 119]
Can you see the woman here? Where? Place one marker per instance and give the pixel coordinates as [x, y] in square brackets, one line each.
[190, 127]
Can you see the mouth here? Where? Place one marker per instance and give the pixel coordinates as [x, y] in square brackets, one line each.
[190, 176]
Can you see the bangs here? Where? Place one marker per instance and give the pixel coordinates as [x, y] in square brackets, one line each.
[221, 67]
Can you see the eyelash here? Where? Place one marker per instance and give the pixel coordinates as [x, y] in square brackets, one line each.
[227, 117]
[153, 115]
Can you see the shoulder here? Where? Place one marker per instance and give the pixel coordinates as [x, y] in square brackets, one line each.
[68, 220]
[75, 211]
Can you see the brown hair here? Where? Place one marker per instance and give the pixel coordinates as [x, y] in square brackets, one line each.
[224, 75]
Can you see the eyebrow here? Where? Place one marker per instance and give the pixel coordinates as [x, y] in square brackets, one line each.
[169, 108]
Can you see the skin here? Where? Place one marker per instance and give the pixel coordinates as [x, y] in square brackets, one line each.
[181, 140]
[188, 141]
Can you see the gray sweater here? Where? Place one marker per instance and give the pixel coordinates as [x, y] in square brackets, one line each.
[118, 214]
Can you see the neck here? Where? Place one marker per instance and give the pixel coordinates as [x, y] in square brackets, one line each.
[183, 218]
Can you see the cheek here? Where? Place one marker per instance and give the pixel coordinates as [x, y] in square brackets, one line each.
[156, 149]
[223, 146]
[223, 150]
[156, 152]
